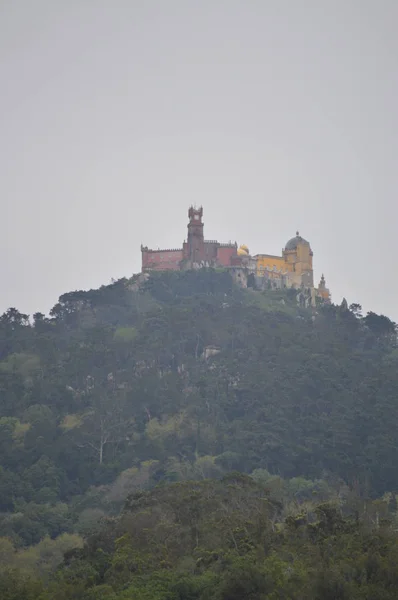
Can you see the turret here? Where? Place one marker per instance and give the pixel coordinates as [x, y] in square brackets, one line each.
[323, 291]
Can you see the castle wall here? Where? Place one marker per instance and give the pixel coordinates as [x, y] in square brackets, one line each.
[290, 258]
[307, 278]
[161, 260]
[211, 251]
[295, 280]
[225, 254]
[239, 276]
[270, 261]
[304, 255]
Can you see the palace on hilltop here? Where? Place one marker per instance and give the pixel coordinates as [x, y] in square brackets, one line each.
[293, 269]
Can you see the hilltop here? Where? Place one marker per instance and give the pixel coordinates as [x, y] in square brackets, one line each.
[184, 376]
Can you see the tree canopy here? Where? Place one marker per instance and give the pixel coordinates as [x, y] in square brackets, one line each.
[166, 384]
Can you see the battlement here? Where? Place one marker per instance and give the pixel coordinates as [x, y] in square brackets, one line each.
[266, 256]
[222, 244]
[146, 249]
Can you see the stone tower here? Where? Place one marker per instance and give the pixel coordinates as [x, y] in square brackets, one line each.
[196, 242]
[298, 258]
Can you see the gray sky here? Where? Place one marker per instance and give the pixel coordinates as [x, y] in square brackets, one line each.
[276, 115]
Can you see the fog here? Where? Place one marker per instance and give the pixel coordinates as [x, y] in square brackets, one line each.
[275, 115]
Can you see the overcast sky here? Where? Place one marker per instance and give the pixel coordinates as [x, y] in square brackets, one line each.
[276, 115]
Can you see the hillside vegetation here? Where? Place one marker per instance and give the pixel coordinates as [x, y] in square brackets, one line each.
[123, 413]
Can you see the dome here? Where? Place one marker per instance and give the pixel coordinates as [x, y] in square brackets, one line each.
[243, 250]
[296, 241]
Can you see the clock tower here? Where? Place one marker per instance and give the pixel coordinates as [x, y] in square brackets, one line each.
[196, 243]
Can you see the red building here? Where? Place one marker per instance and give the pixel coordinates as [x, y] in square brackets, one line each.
[196, 251]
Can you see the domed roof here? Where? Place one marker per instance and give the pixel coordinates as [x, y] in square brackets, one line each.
[294, 242]
[243, 250]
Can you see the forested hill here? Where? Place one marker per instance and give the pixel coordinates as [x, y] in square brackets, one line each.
[183, 376]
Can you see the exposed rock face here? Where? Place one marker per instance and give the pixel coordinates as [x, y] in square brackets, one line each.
[210, 351]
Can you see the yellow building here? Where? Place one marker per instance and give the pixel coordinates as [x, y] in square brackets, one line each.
[295, 263]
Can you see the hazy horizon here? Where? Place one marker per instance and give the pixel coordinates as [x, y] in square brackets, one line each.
[276, 116]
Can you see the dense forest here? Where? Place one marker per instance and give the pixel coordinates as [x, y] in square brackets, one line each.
[178, 437]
